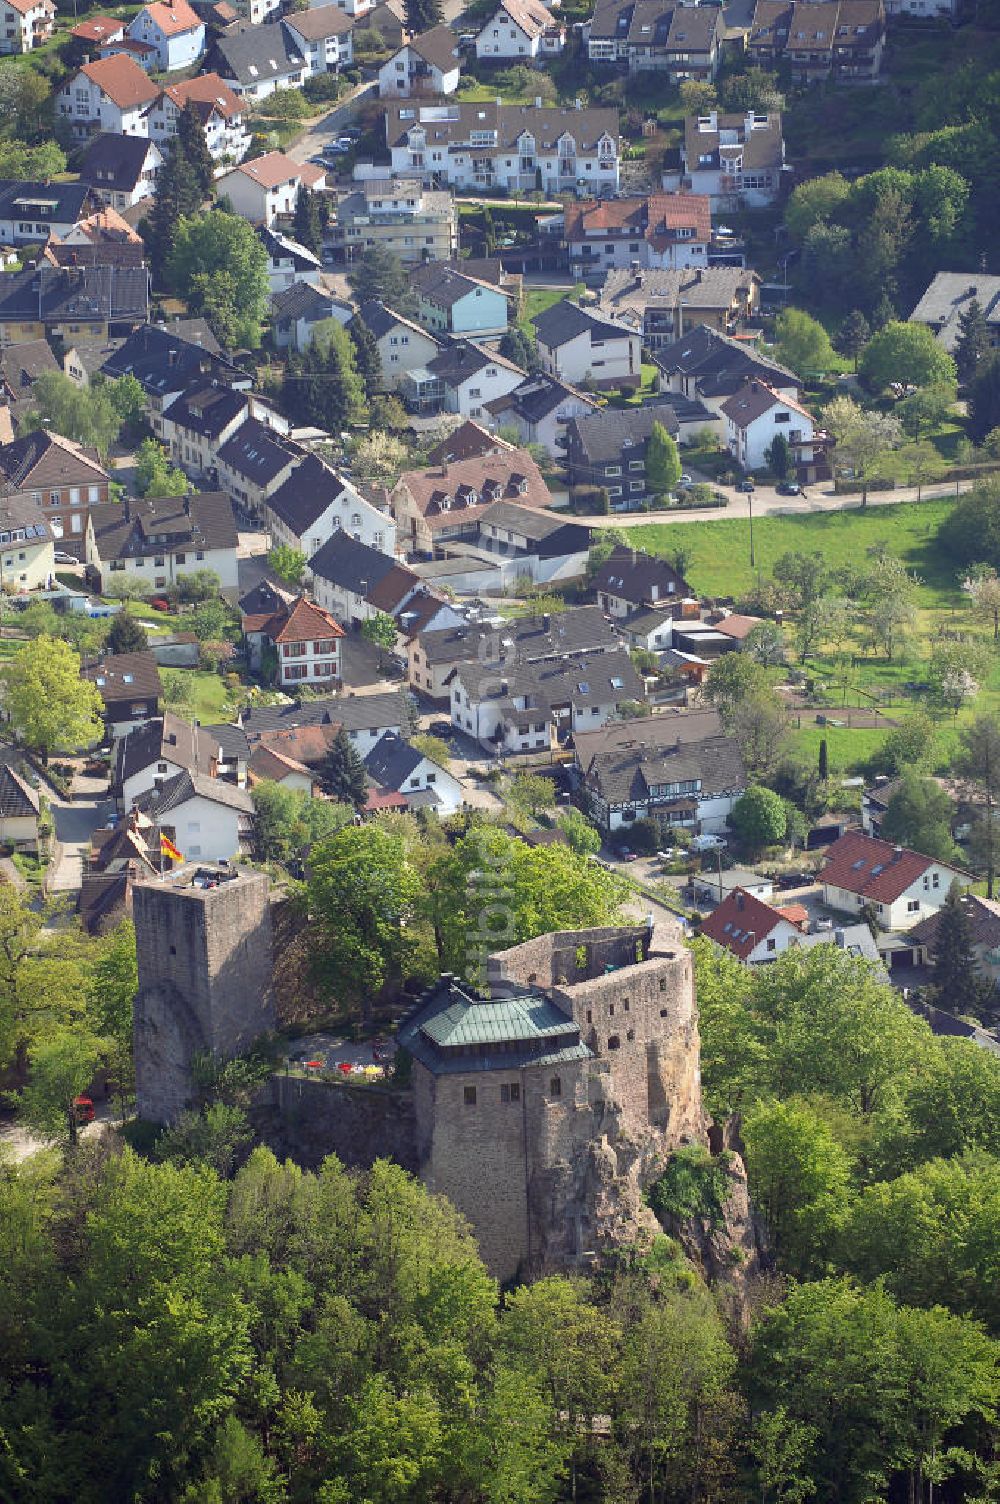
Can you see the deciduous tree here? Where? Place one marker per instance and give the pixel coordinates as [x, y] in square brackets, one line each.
[758, 817]
[47, 702]
[802, 343]
[907, 354]
[919, 815]
[863, 439]
[663, 465]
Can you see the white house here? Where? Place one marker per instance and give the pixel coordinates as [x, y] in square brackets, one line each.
[576, 345]
[521, 29]
[427, 64]
[532, 707]
[468, 377]
[206, 818]
[539, 409]
[306, 640]
[326, 36]
[25, 24]
[269, 765]
[900, 885]
[18, 810]
[756, 415]
[121, 170]
[757, 933]
[151, 752]
[173, 29]
[679, 768]
[266, 188]
[161, 540]
[402, 345]
[112, 94]
[220, 109]
[399, 768]
[315, 502]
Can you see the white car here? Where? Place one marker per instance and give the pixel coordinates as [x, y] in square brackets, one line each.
[62, 558]
[685, 480]
[708, 843]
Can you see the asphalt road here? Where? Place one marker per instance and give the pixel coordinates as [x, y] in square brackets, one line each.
[767, 502]
[318, 135]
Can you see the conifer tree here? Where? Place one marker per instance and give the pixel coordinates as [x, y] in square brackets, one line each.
[344, 775]
[855, 332]
[178, 193]
[973, 342]
[191, 141]
[955, 978]
[307, 228]
[366, 355]
[663, 465]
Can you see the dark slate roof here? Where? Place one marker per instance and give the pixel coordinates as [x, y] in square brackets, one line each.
[379, 319]
[282, 248]
[604, 435]
[598, 679]
[163, 360]
[635, 576]
[624, 774]
[124, 676]
[203, 520]
[174, 792]
[117, 293]
[18, 799]
[22, 364]
[306, 494]
[443, 284]
[565, 321]
[252, 54]
[57, 203]
[714, 358]
[464, 359]
[526, 639]
[206, 408]
[301, 301]
[116, 162]
[392, 760]
[230, 740]
[351, 564]
[257, 452]
[353, 712]
[535, 398]
[449, 1027]
[532, 523]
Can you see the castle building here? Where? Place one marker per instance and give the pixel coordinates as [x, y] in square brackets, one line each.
[203, 940]
[544, 1111]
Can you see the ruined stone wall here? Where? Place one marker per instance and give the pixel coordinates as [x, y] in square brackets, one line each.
[307, 1119]
[204, 982]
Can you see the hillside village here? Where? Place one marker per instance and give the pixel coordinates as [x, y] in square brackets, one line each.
[500, 751]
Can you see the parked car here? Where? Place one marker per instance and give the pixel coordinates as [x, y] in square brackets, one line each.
[440, 728]
[626, 855]
[685, 479]
[746, 485]
[62, 558]
[789, 488]
[708, 843]
[160, 603]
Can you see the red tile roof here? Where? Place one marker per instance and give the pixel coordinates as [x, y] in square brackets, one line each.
[383, 799]
[795, 913]
[653, 218]
[741, 922]
[271, 170]
[172, 16]
[303, 744]
[303, 622]
[737, 627]
[876, 870]
[97, 29]
[122, 80]
[208, 89]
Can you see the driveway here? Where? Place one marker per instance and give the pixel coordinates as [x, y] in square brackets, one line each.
[75, 822]
[319, 134]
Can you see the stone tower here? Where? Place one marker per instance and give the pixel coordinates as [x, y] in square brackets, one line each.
[203, 937]
[546, 1110]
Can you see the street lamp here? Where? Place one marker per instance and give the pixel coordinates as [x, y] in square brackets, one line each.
[750, 507]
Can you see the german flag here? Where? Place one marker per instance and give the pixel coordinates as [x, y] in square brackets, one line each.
[167, 848]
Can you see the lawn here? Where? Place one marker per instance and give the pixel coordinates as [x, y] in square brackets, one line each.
[719, 560]
[537, 299]
[209, 702]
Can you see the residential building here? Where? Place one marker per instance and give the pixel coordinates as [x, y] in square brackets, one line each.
[736, 160]
[25, 24]
[414, 222]
[898, 885]
[165, 360]
[297, 310]
[121, 171]
[843, 40]
[305, 640]
[174, 32]
[756, 415]
[505, 544]
[630, 581]
[387, 20]
[220, 109]
[97, 31]
[661, 230]
[577, 345]
[425, 65]
[948, 297]
[156, 751]
[198, 422]
[27, 545]
[315, 502]
[205, 818]
[258, 606]
[402, 345]
[395, 766]
[266, 189]
[922, 8]
[536, 707]
[19, 811]
[434, 652]
[32, 212]
[346, 577]
[65, 479]
[463, 378]
[481, 145]
[709, 367]
[688, 774]
[682, 41]
[112, 95]
[325, 35]
[256, 60]
[254, 463]
[469, 441]
[104, 237]
[983, 918]
[664, 305]
[129, 684]
[20, 367]
[540, 410]
[608, 449]
[268, 765]
[365, 718]
[449, 302]
[521, 29]
[432, 505]
[288, 262]
[756, 932]
[161, 540]
[71, 302]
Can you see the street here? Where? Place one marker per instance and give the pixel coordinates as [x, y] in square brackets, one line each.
[767, 502]
[318, 135]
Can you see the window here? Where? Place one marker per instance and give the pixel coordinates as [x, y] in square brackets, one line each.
[772, 944]
[555, 1087]
[913, 905]
[469, 1096]
[511, 1093]
[614, 1043]
[161, 767]
[194, 827]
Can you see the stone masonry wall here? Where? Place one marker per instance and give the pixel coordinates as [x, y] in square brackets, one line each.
[306, 1120]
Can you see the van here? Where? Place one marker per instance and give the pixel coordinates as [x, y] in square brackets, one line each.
[708, 843]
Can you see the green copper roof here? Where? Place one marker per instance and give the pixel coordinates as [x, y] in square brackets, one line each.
[471, 1021]
[451, 1029]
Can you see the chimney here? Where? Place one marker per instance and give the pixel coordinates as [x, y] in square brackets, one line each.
[546, 620]
[187, 506]
[538, 101]
[126, 508]
[839, 939]
[897, 852]
[699, 275]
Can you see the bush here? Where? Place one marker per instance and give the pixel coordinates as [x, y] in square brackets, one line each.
[693, 1185]
[325, 86]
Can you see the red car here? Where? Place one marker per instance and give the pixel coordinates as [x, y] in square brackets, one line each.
[83, 1110]
[160, 603]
